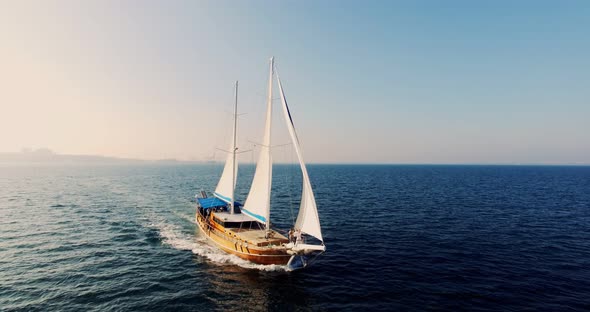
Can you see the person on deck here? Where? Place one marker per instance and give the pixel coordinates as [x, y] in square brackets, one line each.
[298, 237]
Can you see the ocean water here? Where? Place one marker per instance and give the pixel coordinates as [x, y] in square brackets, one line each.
[123, 238]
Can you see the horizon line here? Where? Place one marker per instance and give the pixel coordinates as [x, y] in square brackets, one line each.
[51, 153]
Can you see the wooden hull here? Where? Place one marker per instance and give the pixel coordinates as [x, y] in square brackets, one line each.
[236, 244]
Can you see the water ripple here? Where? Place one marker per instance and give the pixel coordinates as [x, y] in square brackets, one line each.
[399, 238]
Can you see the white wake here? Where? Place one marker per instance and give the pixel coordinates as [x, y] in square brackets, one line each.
[173, 236]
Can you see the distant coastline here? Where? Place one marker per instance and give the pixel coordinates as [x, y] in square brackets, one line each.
[46, 156]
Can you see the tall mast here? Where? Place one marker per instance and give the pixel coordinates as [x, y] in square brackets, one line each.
[234, 150]
[269, 117]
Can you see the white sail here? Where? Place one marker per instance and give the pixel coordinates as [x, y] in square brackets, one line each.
[308, 220]
[227, 182]
[257, 203]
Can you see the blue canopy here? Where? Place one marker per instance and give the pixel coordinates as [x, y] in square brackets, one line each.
[212, 202]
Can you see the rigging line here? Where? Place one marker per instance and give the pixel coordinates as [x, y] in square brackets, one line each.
[225, 135]
[289, 184]
[221, 149]
[312, 260]
[271, 146]
[293, 171]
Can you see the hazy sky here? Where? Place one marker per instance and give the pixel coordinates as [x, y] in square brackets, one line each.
[367, 81]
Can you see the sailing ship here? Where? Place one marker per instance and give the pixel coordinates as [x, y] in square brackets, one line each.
[245, 230]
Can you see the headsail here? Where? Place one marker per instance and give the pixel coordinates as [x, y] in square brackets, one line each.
[257, 204]
[308, 220]
[227, 182]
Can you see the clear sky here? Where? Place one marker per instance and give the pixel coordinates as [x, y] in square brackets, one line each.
[367, 81]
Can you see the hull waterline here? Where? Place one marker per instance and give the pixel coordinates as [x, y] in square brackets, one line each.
[237, 244]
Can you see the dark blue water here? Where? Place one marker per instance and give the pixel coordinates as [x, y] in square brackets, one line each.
[399, 238]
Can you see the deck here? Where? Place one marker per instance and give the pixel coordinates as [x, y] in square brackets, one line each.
[252, 236]
[256, 237]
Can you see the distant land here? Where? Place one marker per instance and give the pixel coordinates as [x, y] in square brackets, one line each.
[47, 156]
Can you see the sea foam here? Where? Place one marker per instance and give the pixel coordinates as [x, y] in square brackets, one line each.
[173, 236]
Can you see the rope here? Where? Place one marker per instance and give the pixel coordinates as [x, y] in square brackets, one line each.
[312, 260]
[289, 185]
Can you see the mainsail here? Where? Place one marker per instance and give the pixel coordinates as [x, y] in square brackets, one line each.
[307, 219]
[227, 182]
[257, 204]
